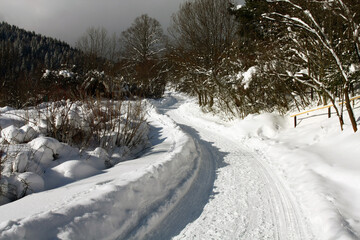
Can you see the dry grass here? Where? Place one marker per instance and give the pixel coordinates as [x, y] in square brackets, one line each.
[93, 123]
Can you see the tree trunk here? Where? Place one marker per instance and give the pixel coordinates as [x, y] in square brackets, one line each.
[349, 108]
[199, 97]
[211, 103]
[357, 50]
[340, 117]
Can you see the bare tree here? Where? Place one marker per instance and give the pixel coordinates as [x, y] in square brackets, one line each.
[203, 34]
[308, 17]
[143, 46]
[144, 40]
[95, 41]
[100, 49]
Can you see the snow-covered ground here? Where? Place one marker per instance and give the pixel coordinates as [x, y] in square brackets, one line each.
[276, 181]
[206, 178]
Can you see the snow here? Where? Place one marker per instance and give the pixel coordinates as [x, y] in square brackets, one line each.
[31, 183]
[202, 178]
[75, 170]
[47, 73]
[13, 134]
[247, 76]
[246, 200]
[321, 165]
[120, 197]
[354, 68]
[64, 73]
[45, 149]
[20, 163]
[302, 73]
[314, 168]
[29, 133]
[5, 109]
[317, 161]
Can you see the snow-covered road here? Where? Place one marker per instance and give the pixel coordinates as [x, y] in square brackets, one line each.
[247, 200]
[206, 178]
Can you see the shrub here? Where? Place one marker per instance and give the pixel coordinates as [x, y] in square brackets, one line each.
[107, 124]
[112, 128]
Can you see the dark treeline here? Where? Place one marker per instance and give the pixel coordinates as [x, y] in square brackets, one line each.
[24, 56]
[29, 51]
[263, 56]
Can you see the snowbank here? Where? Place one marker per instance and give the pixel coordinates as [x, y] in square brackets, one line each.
[319, 164]
[111, 204]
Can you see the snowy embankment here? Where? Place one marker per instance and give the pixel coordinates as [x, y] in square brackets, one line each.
[122, 202]
[322, 166]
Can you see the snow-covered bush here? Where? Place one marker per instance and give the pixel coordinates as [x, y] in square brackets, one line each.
[29, 182]
[45, 149]
[7, 189]
[14, 135]
[23, 167]
[44, 137]
[20, 162]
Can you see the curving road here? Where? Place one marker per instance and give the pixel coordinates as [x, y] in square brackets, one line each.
[236, 194]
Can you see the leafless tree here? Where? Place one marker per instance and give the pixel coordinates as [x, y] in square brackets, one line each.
[203, 33]
[144, 40]
[309, 17]
[143, 46]
[95, 41]
[100, 49]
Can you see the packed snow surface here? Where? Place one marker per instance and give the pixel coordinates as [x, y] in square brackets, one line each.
[203, 178]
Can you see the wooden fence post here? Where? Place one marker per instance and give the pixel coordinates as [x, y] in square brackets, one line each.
[295, 123]
[329, 112]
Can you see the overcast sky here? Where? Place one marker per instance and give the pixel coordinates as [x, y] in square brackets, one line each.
[67, 20]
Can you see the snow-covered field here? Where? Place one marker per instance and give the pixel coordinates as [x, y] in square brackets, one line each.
[206, 178]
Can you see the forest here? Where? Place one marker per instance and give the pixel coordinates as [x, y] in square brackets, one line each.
[262, 56]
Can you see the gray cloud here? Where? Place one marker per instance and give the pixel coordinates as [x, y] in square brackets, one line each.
[68, 19]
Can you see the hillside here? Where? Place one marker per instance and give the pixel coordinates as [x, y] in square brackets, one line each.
[24, 56]
[23, 51]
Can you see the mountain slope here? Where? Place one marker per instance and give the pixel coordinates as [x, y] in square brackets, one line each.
[23, 51]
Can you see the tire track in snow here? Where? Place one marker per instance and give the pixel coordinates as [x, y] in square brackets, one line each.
[249, 201]
[190, 206]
